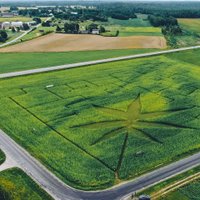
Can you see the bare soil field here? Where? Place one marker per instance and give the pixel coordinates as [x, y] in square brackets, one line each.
[68, 42]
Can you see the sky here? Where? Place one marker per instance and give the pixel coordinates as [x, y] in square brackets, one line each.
[95, 0]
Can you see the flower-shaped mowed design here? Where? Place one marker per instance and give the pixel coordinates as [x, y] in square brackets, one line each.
[132, 121]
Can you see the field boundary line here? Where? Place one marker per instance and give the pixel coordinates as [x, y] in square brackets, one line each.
[88, 63]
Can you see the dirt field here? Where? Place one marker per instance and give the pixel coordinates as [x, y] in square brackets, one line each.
[63, 42]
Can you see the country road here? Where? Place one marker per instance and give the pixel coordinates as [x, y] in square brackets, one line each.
[60, 191]
[83, 64]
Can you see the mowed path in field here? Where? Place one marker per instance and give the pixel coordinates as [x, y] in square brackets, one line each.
[69, 42]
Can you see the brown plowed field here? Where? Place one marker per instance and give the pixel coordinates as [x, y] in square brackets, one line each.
[68, 42]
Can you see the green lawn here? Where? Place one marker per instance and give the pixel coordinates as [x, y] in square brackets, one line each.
[2, 157]
[38, 32]
[24, 61]
[16, 185]
[17, 18]
[99, 125]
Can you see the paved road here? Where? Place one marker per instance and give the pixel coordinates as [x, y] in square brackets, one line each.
[82, 64]
[61, 191]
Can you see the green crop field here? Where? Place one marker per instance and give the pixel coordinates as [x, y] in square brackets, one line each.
[100, 125]
[24, 61]
[16, 185]
[190, 33]
[2, 157]
[14, 19]
[131, 27]
[18, 18]
[190, 25]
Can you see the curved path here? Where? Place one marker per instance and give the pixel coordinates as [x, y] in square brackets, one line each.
[58, 190]
[84, 64]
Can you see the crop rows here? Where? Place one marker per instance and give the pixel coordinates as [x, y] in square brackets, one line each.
[99, 125]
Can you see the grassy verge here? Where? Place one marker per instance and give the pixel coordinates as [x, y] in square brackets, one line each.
[177, 193]
[24, 61]
[40, 31]
[15, 185]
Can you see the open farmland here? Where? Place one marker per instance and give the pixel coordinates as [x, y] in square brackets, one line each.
[2, 157]
[15, 61]
[69, 42]
[190, 25]
[15, 185]
[14, 19]
[111, 122]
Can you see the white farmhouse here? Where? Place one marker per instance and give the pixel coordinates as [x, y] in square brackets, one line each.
[95, 31]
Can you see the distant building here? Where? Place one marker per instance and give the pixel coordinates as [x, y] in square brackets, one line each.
[7, 15]
[74, 13]
[144, 197]
[95, 31]
[33, 23]
[5, 25]
[16, 24]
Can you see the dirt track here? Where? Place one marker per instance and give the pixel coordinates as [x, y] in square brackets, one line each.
[68, 42]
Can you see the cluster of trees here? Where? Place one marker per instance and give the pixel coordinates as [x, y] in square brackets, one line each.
[80, 14]
[174, 9]
[122, 16]
[171, 30]
[157, 20]
[3, 36]
[169, 24]
[74, 28]
[71, 28]
[37, 20]
[42, 12]
[46, 23]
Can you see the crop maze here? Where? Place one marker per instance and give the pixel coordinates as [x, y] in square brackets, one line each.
[72, 98]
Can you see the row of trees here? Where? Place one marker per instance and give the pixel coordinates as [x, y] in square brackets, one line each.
[74, 28]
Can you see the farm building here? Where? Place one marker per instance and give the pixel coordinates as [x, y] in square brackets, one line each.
[7, 14]
[16, 24]
[95, 31]
[5, 25]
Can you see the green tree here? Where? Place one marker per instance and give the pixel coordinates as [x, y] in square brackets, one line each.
[25, 26]
[92, 26]
[13, 30]
[3, 36]
[102, 29]
[58, 29]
